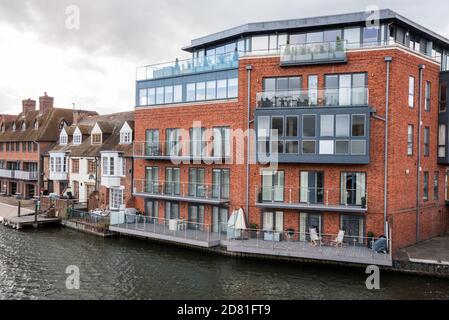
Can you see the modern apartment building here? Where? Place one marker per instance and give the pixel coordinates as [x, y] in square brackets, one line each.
[91, 156]
[24, 139]
[349, 130]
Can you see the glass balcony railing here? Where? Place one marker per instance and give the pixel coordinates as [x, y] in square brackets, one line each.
[313, 53]
[189, 66]
[332, 97]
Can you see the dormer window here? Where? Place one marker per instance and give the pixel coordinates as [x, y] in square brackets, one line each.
[36, 125]
[3, 127]
[14, 127]
[126, 134]
[96, 138]
[77, 138]
[24, 126]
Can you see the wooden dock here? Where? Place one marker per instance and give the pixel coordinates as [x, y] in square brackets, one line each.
[29, 221]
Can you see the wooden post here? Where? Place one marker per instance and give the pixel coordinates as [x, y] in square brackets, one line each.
[35, 214]
[18, 209]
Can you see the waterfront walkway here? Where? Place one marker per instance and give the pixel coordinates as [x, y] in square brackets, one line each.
[434, 251]
[8, 210]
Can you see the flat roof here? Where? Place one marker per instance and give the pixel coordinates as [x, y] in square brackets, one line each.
[314, 22]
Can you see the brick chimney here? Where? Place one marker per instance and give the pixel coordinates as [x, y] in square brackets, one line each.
[28, 106]
[45, 103]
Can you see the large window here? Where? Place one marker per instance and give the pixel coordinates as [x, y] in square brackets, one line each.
[272, 186]
[410, 140]
[197, 142]
[346, 89]
[174, 145]
[442, 140]
[428, 96]
[426, 141]
[353, 188]
[151, 180]
[172, 181]
[152, 210]
[197, 188]
[196, 217]
[411, 92]
[171, 210]
[220, 219]
[443, 96]
[222, 142]
[279, 90]
[152, 143]
[273, 221]
[116, 198]
[311, 184]
[354, 227]
[220, 183]
[426, 186]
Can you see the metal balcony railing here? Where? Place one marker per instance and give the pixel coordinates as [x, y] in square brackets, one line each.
[331, 97]
[355, 200]
[181, 191]
[19, 174]
[182, 149]
[189, 66]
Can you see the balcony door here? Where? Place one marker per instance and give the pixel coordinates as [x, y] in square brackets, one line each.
[172, 181]
[152, 180]
[353, 188]
[272, 186]
[273, 221]
[197, 187]
[152, 143]
[220, 218]
[312, 183]
[196, 217]
[173, 142]
[354, 228]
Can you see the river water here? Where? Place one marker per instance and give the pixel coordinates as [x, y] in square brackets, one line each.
[33, 265]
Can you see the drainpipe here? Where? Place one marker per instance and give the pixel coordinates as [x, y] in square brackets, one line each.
[249, 68]
[388, 60]
[418, 175]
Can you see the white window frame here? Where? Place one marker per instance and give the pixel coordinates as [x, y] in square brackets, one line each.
[116, 198]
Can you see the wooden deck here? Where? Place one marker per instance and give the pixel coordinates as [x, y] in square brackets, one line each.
[29, 221]
[297, 249]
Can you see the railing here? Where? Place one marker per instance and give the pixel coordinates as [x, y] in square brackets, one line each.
[188, 66]
[313, 196]
[99, 222]
[173, 149]
[18, 174]
[181, 190]
[313, 52]
[178, 228]
[303, 243]
[58, 176]
[332, 97]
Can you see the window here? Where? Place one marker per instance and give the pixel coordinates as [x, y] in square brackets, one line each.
[177, 94]
[63, 139]
[14, 127]
[168, 94]
[75, 166]
[152, 143]
[411, 92]
[352, 37]
[326, 147]
[196, 217]
[233, 89]
[77, 139]
[91, 167]
[160, 95]
[151, 96]
[443, 95]
[313, 90]
[410, 140]
[358, 147]
[353, 188]
[200, 91]
[436, 191]
[341, 147]
[197, 188]
[172, 181]
[24, 126]
[96, 138]
[211, 90]
[152, 180]
[125, 137]
[354, 227]
[342, 125]
[327, 126]
[259, 43]
[171, 210]
[426, 141]
[220, 183]
[309, 147]
[191, 96]
[273, 221]
[442, 141]
[220, 218]
[116, 198]
[173, 142]
[426, 187]
[291, 126]
[36, 125]
[346, 89]
[311, 184]
[17, 146]
[428, 96]
[152, 210]
[272, 186]
[222, 142]
[370, 36]
[221, 89]
[309, 126]
[143, 97]
[358, 125]
[197, 142]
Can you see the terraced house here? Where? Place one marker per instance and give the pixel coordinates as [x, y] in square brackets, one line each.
[24, 139]
[93, 160]
[352, 114]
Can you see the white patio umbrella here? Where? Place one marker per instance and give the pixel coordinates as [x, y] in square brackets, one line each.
[240, 223]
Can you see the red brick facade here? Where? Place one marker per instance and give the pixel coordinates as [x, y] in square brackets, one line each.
[402, 172]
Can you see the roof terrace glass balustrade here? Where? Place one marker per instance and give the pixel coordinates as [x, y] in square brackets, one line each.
[331, 97]
[311, 53]
[189, 66]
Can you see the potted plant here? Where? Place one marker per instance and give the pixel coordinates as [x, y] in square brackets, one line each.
[253, 230]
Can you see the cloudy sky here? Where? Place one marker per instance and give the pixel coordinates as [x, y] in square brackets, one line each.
[94, 66]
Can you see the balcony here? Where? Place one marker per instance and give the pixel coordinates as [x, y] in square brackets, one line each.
[189, 66]
[59, 176]
[331, 97]
[313, 53]
[313, 199]
[111, 181]
[19, 175]
[182, 192]
[182, 150]
[173, 230]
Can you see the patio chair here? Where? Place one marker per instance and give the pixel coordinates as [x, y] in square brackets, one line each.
[314, 238]
[338, 242]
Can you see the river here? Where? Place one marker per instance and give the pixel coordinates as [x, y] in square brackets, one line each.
[33, 265]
